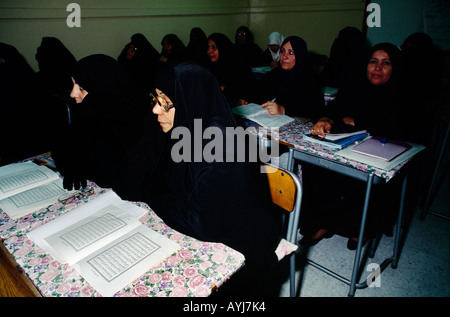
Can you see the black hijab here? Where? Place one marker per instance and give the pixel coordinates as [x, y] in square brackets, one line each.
[346, 65]
[198, 46]
[143, 66]
[212, 201]
[231, 70]
[377, 109]
[284, 79]
[55, 63]
[113, 120]
[296, 89]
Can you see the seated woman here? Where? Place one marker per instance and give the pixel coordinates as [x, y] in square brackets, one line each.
[271, 56]
[293, 88]
[234, 75]
[198, 46]
[173, 49]
[378, 109]
[141, 60]
[220, 200]
[112, 138]
[246, 47]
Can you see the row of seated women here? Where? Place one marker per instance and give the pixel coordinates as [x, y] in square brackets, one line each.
[119, 136]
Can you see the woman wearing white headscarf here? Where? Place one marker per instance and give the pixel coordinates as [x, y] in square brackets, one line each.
[271, 56]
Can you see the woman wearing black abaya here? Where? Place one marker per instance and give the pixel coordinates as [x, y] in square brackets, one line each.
[379, 110]
[114, 140]
[293, 88]
[221, 200]
[15, 82]
[235, 77]
[53, 83]
[141, 60]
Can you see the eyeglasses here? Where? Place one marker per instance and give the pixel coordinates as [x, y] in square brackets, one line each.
[242, 34]
[161, 102]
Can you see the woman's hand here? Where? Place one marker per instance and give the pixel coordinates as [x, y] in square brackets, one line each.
[322, 126]
[349, 120]
[241, 102]
[273, 108]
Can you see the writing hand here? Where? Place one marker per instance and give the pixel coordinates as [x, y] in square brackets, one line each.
[321, 127]
[273, 108]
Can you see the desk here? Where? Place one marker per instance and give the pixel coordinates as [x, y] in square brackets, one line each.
[325, 157]
[196, 270]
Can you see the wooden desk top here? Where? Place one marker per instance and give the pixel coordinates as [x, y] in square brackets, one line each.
[13, 280]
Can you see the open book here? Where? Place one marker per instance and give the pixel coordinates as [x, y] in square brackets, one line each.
[337, 140]
[27, 187]
[260, 115]
[104, 242]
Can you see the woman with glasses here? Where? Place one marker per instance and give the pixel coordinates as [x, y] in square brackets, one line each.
[113, 139]
[220, 200]
[245, 44]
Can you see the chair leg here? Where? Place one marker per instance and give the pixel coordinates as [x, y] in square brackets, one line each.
[292, 275]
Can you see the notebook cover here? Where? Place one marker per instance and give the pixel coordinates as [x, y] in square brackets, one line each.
[376, 147]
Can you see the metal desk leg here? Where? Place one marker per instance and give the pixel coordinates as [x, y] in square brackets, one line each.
[290, 163]
[399, 223]
[361, 237]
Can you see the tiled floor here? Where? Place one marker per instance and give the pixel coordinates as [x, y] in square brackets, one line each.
[423, 268]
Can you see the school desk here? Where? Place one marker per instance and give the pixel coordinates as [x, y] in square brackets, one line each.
[195, 270]
[300, 150]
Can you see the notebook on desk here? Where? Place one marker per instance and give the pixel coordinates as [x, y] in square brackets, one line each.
[381, 148]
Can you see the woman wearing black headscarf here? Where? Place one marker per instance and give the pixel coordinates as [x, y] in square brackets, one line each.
[15, 83]
[111, 124]
[379, 110]
[173, 49]
[219, 200]
[292, 89]
[198, 44]
[378, 105]
[141, 60]
[233, 74]
[347, 63]
[245, 44]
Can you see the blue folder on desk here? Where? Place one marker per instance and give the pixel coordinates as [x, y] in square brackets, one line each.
[336, 143]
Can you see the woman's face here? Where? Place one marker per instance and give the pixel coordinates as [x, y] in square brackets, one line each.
[77, 92]
[165, 119]
[167, 47]
[287, 56]
[379, 68]
[213, 51]
[274, 48]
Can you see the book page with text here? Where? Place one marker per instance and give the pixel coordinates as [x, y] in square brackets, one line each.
[23, 179]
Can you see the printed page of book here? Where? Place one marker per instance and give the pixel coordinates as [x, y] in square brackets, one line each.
[118, 264]
[104, 242]
[260, 115]
[33, 199]
[23, 176]
[82, 238]
[107, 202]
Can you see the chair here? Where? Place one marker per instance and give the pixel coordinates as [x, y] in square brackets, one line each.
[286, 191]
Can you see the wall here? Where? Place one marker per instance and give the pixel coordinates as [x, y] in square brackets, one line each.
[106, 25]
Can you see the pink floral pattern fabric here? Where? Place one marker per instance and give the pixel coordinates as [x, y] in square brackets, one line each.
[195, 270]
[292, 134]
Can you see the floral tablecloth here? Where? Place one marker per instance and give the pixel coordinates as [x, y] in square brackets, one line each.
[292, 134]
[195, 270]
